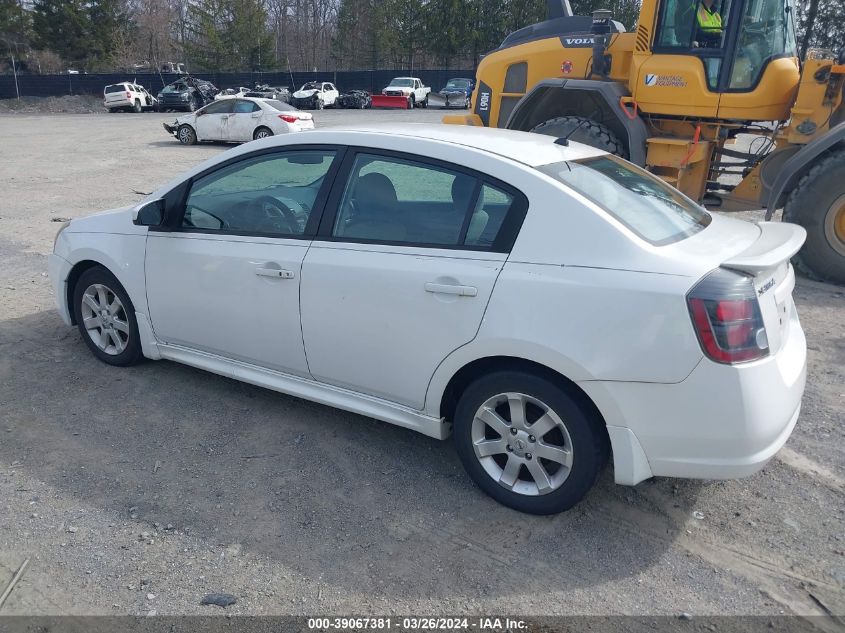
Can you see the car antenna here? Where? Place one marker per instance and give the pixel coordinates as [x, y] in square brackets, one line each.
[564, 140]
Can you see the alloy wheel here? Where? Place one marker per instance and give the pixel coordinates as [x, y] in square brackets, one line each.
[105, 320]
[522, 444]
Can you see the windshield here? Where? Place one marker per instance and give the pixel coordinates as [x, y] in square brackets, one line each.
[310, 86]
[402, 82]
[175, 88]
[460, 84]
[768, 31]
[645, 204]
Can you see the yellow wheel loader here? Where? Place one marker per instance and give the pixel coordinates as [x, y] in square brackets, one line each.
[677, 93]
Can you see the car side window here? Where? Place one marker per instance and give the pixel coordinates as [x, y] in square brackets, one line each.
[245, 107]
[403, 201]
[222, 106]
[488, 216]
[272, 194]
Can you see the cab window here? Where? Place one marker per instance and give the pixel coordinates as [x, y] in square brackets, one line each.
[768, 32]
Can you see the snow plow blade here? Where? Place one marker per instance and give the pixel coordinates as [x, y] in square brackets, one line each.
[383, 101]
[436, 100]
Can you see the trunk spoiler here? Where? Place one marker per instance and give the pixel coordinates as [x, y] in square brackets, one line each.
[778, 242]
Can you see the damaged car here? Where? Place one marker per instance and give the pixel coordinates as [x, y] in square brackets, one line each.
[187, 94]
[315, 95]
[355, 100]
[265, 91]
[239, 119]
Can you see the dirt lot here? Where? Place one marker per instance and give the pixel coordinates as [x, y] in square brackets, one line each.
[141, 490]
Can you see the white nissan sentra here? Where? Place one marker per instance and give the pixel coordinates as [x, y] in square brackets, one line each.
[548, 305]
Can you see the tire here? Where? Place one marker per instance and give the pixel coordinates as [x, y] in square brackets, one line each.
[818, 204]
[468, 103]
[186, 135]
[113, 110]
[574, 429]
[318, 104]
[424, 103]
[411, 103]
[111, 333]
[590, 133]
[262, 132]
[136, 107]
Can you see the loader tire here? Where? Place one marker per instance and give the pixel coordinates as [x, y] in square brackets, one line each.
[590, 133]
[818, 204]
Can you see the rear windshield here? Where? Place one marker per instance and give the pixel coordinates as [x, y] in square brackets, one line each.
[281, 106]
[645, 204]
[116, 88]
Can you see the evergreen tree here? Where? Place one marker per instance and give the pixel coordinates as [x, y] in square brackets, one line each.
[62, 26]
[230, 35]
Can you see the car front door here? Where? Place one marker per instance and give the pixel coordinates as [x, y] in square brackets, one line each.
[223, 277]
[212, 120]
[400, 273]
[331, 94]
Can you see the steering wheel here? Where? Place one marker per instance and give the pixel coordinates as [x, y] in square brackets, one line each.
[276, 216]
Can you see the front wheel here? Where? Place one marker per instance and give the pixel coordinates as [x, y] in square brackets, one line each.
[528, 443]
[318, 104]
[818, 204]
[411, 102]
[106, 318]
[186, 135]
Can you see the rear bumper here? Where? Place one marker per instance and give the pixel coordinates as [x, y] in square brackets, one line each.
[721, 422]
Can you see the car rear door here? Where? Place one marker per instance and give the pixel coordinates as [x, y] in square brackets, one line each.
[242, 121]
[401, 271]
[212, 120]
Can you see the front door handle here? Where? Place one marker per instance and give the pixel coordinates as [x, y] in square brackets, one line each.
[275, 273]
[450, 289]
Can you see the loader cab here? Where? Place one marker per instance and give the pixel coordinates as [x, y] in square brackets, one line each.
[727, 59]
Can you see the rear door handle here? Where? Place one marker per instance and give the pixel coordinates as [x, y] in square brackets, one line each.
[449, 289]
[275, 273]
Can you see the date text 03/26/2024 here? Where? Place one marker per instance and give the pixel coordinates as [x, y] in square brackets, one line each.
[417, 623]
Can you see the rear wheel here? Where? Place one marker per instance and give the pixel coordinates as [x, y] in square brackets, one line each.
[106, 318]
[528, 443]
[583, 130]
[136, 107]
[262, 132]
[818, 204]
[186, 135]
[425, 102]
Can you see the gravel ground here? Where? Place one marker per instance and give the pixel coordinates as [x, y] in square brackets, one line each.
[141, 490]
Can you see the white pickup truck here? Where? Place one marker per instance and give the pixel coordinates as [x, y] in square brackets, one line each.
[410, 87]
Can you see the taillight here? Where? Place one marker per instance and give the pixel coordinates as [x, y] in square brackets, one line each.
[288, 118]
[129, 96]
[727, 318]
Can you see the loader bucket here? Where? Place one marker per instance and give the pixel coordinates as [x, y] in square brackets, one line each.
[383, 101]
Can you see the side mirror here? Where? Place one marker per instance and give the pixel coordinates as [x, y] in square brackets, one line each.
[149, 214]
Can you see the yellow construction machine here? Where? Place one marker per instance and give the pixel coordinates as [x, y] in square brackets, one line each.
[708, 94]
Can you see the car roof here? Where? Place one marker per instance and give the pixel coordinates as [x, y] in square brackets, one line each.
[525, 147]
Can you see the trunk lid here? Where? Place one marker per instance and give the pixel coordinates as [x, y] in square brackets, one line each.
[766, 261]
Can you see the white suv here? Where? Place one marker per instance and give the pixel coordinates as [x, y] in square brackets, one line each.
[128, 96]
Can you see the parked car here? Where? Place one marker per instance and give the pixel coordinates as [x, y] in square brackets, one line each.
[187, 93]
[441, 288]
[355, 99]
[127, 96]
[410, 87]
[238, 120]
[457, 93]
[315, 95]
[230, 93]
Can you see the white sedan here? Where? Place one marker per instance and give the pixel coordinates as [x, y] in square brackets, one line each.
[548, 304]
[239, 119]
